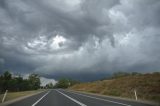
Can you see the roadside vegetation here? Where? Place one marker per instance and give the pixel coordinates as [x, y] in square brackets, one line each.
[17, 83]
[14, 83]
[14, 95]
[65, 83]
[17, 86]
[123, 84]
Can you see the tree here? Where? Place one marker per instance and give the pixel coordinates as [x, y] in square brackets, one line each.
[73, 82]
[7, 75]
[63, 83]
[1, 84]
[49, 86]
[34, 80]
[25, 85]
[120, 74]
[17, 83]
[135, 73]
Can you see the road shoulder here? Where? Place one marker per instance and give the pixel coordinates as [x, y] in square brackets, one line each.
[120, 98]
[20, 98]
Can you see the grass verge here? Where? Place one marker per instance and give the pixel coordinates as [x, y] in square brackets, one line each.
[14, 95]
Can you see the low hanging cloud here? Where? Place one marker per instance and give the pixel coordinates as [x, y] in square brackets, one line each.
[79, 38]
[45, 81]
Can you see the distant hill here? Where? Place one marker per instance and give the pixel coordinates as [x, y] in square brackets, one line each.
[146, 85]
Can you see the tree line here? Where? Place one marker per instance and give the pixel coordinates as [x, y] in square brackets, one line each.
[62, 83]
[65, 83]
[125, 74]
[17, 83]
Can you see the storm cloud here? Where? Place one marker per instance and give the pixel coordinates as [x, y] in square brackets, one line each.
[83, 39]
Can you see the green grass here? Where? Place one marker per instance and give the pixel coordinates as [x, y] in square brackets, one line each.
[14, 95]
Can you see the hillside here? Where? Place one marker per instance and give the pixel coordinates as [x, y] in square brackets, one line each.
[146, 85]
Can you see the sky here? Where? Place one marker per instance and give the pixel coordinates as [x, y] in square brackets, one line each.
[80, 39]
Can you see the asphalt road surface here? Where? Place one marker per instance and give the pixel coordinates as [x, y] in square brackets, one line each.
[60, 97]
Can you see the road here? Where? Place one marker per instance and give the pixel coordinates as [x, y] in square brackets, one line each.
[60, 97]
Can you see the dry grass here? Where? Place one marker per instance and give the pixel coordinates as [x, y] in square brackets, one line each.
[14, 95]
[147, 87]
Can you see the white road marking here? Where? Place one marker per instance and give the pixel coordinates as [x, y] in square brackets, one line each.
[100, 99]
[40, 99]
[81, 104]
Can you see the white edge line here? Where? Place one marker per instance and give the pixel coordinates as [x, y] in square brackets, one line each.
[100, 98]
[40, 98]
[81, 104]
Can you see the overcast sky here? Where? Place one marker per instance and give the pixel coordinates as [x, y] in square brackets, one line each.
[81, 39]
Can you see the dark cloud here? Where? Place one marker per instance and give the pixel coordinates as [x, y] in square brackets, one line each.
[78, 38]
[81, 76]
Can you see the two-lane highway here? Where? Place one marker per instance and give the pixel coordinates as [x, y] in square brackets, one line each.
[60, 97]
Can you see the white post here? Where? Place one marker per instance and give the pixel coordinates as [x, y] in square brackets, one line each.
[135, 94]
[4, 96]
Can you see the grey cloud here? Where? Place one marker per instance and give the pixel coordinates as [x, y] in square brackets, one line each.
[100, 37]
